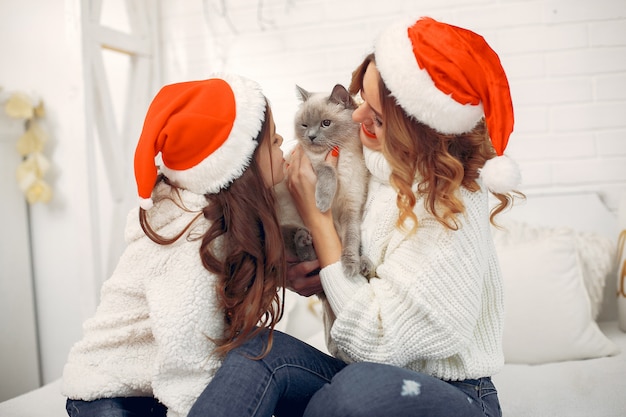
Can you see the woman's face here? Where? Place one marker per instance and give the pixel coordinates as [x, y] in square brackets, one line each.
[270, 156]
[369, 114]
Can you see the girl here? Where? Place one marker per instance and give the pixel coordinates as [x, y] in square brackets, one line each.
[204, 258]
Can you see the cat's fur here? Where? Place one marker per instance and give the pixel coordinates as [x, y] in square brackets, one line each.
[323, 122]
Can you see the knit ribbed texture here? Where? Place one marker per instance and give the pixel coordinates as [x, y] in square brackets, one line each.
[436, 303]
[150, 334]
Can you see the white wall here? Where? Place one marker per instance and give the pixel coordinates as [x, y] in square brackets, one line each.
[40, 50]
[19, 357]
[566, 62]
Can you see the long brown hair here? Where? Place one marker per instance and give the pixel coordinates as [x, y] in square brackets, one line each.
[442, 163]
[244, 247]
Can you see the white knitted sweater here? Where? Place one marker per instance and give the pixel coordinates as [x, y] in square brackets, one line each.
[151, 333]
[436, 302]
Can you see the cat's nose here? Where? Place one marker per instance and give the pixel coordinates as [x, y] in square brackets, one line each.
[312, 137]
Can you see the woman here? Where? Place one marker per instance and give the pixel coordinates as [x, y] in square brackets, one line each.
[423, 333]
[433, 95]
[204, 258]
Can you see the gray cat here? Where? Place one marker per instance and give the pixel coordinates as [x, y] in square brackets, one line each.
[321, 123]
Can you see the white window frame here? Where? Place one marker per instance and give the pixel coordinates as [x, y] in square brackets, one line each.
[110, 142]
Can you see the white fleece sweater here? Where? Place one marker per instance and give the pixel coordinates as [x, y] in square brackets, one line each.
[436, 302]
[151, 333]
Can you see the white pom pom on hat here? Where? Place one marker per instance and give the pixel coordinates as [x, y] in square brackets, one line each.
[501, 174]
[205, 131]
[449, 78]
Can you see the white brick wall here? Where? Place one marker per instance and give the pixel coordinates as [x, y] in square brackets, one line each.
[566, 62]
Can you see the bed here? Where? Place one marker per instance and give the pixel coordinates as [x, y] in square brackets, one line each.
[563, 345]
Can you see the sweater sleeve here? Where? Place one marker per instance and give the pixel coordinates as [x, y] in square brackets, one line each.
[184, 320]
[425, 299]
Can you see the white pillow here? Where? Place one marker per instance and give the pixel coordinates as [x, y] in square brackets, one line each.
[596, 253]
[597, 256]
[548, 313]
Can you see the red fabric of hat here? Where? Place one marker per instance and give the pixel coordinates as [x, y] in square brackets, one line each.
[462, 65]
[186, 123]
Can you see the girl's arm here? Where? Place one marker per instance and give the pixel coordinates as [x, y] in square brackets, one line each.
[301, 183]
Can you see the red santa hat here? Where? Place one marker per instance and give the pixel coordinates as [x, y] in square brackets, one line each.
[449, 78]
[205, 132]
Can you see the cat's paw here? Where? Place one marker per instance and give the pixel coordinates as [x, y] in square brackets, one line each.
[326, 187]
[304, 245]
[323, 203]
[302, 237]
[351, 264]
[324, 196]
[367, 267]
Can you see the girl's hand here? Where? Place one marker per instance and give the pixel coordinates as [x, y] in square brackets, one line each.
[303, 277]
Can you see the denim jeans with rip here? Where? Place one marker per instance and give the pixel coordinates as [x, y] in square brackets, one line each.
[375, 390]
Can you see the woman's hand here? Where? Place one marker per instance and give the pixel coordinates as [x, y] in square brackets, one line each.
[301, 181]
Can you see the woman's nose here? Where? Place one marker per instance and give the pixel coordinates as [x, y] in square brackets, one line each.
[358, 114]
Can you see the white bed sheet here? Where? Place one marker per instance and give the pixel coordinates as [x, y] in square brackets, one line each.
[585, 388]
[46, 401]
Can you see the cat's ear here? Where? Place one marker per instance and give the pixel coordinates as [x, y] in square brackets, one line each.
[303, 95]
[340, 95]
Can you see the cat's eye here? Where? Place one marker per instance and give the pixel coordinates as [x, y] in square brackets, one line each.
[304, 126]
[326, 123]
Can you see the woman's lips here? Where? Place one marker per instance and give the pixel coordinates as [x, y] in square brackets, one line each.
[367, 132]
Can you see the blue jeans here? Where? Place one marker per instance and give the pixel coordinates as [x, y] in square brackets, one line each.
[280, 384]
[116, 407]
[295, 379]
[366, 389]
